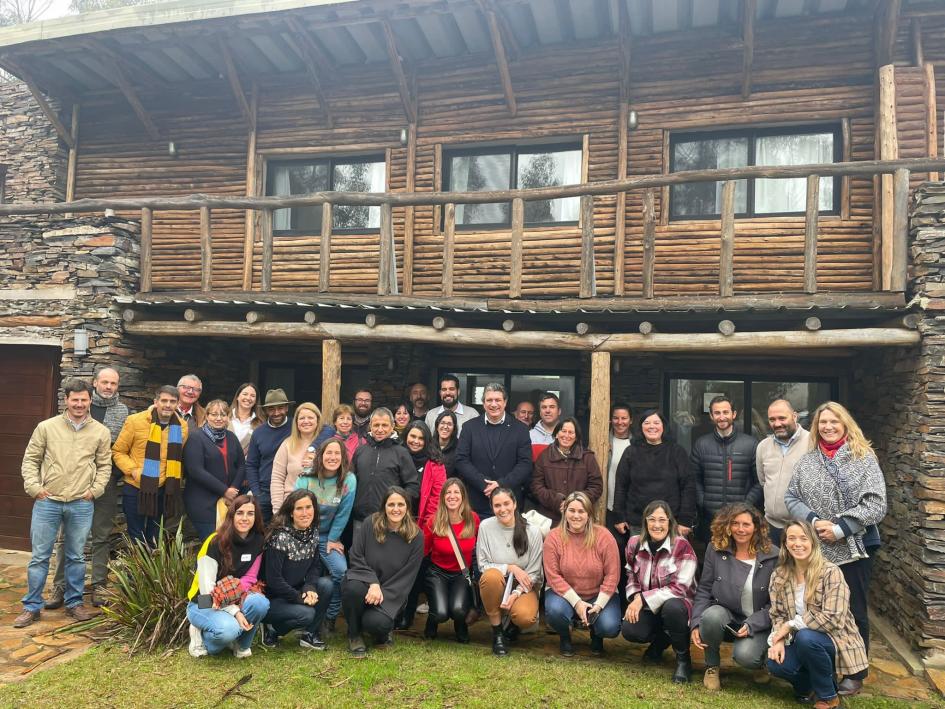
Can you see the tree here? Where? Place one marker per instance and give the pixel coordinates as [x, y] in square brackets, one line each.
[81, 6]
[17, 12]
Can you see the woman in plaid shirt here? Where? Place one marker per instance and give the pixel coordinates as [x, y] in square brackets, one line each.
[661, 585]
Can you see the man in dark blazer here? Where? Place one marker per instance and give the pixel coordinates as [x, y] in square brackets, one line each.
[494, 450]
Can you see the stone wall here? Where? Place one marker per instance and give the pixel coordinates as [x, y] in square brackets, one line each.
[30, 150]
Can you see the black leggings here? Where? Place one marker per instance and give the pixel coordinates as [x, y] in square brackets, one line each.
[672, 620]
[449, 596]
[360, 617]
[857, 574]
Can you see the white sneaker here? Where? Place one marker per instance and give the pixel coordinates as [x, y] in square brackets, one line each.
[423, 608]
[239, 653]
[196, 647]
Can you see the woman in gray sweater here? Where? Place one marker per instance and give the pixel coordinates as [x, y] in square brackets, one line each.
[509, 553]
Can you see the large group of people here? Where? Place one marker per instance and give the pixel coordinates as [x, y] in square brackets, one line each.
[306, 517]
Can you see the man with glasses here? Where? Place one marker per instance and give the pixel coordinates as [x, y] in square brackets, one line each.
[189, 389]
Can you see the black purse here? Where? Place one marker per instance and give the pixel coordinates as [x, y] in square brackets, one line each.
[473, 615]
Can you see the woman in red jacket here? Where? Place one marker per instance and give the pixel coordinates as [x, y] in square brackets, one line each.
[449, 535]
[564, 467]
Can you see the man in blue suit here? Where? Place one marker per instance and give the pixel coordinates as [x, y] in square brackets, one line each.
[494, 450]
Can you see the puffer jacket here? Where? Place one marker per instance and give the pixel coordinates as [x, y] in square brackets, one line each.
[377, 465]
[724, 471]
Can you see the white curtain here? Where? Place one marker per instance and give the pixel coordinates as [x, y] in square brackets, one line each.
[775, 196]
[477, 173]
[281, 218]
[569, 173]
[378, 177]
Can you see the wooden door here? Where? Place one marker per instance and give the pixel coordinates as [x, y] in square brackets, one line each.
[30, 377]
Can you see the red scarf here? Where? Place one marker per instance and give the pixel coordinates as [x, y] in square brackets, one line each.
[830, 449]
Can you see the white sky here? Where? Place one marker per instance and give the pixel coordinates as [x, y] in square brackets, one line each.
[57, 8]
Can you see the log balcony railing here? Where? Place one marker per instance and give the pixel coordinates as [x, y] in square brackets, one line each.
[893, 190]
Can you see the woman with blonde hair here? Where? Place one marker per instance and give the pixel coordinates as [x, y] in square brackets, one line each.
[296, 454]
[582, 569]
[449, 540]
[839, 489]
[813, 634]
[732, 600]
[246, 414]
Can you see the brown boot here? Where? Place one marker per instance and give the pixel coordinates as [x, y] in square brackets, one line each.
[56, 598]
[25, 618]
[98, 596]
[80, 612]
[711, 679]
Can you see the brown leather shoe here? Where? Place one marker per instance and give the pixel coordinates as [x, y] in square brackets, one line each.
[80, 612]
[827, 703]
[25, 618]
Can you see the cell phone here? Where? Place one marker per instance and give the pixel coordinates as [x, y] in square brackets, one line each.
[733, 628]
[592, 616]
[204, 601]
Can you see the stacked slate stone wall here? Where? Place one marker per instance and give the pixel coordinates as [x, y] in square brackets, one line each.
[31, 153]
[898, 397]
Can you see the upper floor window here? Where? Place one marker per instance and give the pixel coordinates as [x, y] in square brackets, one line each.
[514, 167]
[755, 197]
[361, 174]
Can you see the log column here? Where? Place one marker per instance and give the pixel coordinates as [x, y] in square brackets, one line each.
[599, 431]
[331, 376]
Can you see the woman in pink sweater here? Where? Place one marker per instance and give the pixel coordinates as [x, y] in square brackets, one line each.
[582, 568]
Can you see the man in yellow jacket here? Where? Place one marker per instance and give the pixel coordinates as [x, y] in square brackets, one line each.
[66, 465]
[148, 452]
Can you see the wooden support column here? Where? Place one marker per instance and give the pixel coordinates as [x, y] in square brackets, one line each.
[324, 250]
[748, 44]
[810, 234]
[727, 247]
[311, 57]
[518, 228]
[649, 242]
[599, 430]
[502, 61]
[888, 150]
[265, 226]
[588, 287]
[331, 376]
[249, 235]
[899, 269]
[409, 212]
[400, 75]
[120, 79]
[146, 225]
[73, 154]
[206, 251]
[387, 266]
[887, 26]
[232, 76]
[931, 117]
[918, 52]
[449, 239]
[620, 215]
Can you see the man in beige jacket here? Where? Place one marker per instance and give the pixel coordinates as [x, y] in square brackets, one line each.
[66, 466]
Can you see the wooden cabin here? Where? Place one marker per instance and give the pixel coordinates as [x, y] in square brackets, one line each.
[649, 201]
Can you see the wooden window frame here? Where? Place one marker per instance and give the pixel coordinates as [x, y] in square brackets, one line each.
[331, 160]
[751, 135]
[513, 150]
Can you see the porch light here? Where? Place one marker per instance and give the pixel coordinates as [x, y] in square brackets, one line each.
[403, 137]
[633, 120]
[80, 342]
[391, 364]
[172, 149]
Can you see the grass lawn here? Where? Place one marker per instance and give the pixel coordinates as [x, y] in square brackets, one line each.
[413, 673]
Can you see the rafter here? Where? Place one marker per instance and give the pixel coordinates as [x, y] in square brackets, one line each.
[120, 79]
[400, 74]
[44, 106]
[232, 75]
[748, 41]
[624, 32]
[309, 54]
[887, 25]
[502, 61]
[509, 40]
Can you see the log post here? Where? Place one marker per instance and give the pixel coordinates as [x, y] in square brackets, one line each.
[748, 44]
[310, 317]
[588, 288]
[256, 316]
[649, 242]
[888, 150]
[387, 268]
[812, 323]
[582, 328]
[331, 376]
[147, 217]
[440, 323]
[266, 279]
[324, 250]
[620, 225]
[899, 271]
[727, 328]
[449, 247]
[409, 216]
[73, 155]
[192, 315]
[599, 430]
[206, 251]
[249, 217]
[646, 328]
[810, 234]
[518, 226]
[727, 249]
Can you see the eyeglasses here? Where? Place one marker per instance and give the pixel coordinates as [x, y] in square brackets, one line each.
[657, 520]
[363, 401]
[187, 387]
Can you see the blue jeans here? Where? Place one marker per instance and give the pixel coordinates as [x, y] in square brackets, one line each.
[808, 664]
[285, 617]
[337, 565]
[559, 614]
[75, 518]
[220, 629]
[140, 528]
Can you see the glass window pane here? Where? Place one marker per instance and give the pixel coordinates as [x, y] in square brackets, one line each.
[550, 169]
[480, 173]
[529, 387]
[774, 196]
[689, 406]
[805, 397]
[292, 179]
[705, 198]
[357, 177]
[472, 386]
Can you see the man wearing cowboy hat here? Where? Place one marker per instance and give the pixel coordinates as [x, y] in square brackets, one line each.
[263, 445]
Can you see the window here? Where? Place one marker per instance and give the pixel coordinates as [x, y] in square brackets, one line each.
[780, 146]
[366, 174]
[503, 168]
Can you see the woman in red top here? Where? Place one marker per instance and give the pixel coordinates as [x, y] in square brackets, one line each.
[448, 590]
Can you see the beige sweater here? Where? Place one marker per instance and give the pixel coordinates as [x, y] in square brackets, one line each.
[775, 470]
[67, 463]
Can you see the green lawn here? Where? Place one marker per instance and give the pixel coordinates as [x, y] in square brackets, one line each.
[413, 673]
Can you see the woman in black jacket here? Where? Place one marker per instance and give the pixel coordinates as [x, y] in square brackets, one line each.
[215, 468]
[445, 435]
[298, 594]
[732, 601]
[653, 467]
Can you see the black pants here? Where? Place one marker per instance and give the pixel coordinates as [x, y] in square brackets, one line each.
[612, 519]
[360, 617]
[857, 574]
[285, 617]
[410, 607]
[668, 626]
[449, 596]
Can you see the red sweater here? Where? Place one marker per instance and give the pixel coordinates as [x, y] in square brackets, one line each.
[440, 550]
[591, 573]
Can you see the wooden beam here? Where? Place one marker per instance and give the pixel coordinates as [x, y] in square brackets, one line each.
[449, 242]
[509, 325]
[193, 315]
[649, 242]
[646, 328]
[73, 155]
[931, 115]
[440, 323]
[812, 323]
[588, 287]
[310, 55]
[233, 77]
[899, 270]
[206, 251]
[387, 266]
[249, 226]
[726, 328]
[918, 52]
[147, 217]
[120, 79]
[810, 234]
[324, 250]
[620, 216]
[400, 75]
[748, 44]
[599, 429]
[887, 27]
[64, 134]
[409, 215]
[888, 150]
[727, 248]
[491, 338]
[502, 62]
[266, 228]
[331, 376]
[516, 264]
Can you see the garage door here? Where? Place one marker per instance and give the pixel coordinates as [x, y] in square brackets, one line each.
[30, 377]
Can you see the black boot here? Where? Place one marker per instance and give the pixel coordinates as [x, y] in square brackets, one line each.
[429, 630]
[511, 632]
[683, 672]
[498, 642]
[462, 632]
[654, 653]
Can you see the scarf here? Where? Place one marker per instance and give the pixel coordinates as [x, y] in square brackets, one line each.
[151, 472]
[830, 449]
[419, 459]
[115, 413]
[296, 544]
[215, 435]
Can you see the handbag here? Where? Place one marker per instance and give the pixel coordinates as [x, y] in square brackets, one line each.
[473, 614]
[536, 518]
